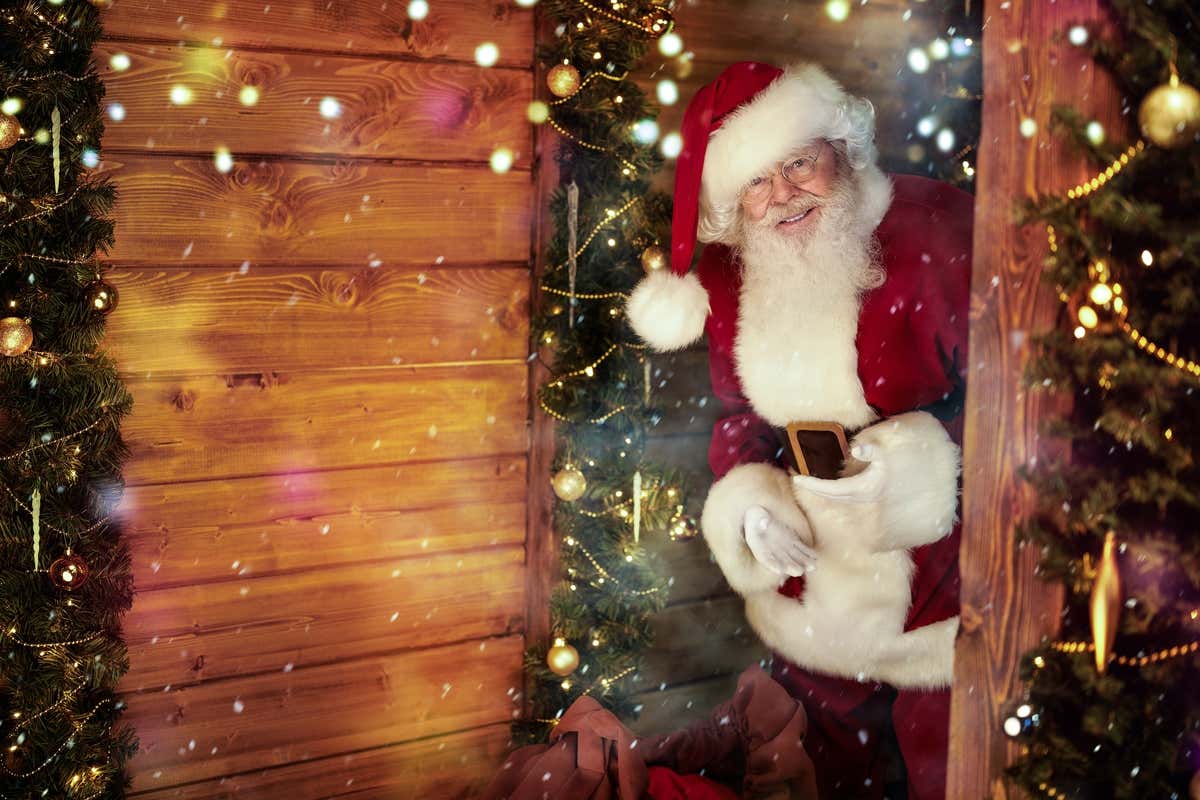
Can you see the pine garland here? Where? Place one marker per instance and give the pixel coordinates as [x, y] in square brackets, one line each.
[61, 404]
[598, 391]
[1133, 731]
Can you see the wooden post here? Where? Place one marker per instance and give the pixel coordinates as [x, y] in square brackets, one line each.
[1028, 65]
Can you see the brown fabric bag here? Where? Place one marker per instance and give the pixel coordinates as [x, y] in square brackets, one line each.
[755, 739]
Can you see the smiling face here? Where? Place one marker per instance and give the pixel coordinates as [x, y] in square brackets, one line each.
[791, 206]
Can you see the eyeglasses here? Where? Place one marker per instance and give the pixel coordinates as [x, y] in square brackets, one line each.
[798, 170]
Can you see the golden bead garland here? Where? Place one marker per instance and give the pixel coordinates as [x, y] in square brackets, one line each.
[1104, 176]
[1072, 648]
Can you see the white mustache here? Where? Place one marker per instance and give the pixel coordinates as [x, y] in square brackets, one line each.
[775, 216]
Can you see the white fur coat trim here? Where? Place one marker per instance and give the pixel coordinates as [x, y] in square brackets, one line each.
[724, 510]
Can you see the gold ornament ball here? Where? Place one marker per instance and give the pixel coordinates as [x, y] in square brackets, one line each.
[569, 484]
[16, 337]
[69, 572]
[10, 130]
[653, 259]
[100, 296]
[563, 80]
[1170, 115]
[658, 22]
[562, 658]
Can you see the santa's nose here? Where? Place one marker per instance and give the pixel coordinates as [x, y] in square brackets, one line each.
[782, 192]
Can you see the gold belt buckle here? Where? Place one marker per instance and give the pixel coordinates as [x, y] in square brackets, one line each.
[820, 448]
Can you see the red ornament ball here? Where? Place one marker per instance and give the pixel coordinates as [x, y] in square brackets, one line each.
[69, 572]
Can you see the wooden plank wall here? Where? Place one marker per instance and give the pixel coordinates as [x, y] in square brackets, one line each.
[704, 619]
[326, 346]
[1028, 68]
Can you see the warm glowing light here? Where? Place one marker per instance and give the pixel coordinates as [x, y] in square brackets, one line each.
[939, 49]
[119, 61]
[537, 112]
[501, 160]
[1147, 258]
[918, 61]
[418, 10]
[1095, 132]
[181, 95]
[667, 92]
[1078, 35]
[837, 10]
[330, 108]
[672, 145]
[223, 159]
[1101, 293]
[12, 105]
[249, 95]
[1028, 127]
[670, 45]
[487, 54]
[1088, 317]
[925, 125]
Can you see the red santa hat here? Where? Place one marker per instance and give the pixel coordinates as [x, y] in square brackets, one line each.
[736, 128]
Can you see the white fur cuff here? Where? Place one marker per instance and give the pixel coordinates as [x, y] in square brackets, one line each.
[747, 485]
[668, 311]
[920, 465]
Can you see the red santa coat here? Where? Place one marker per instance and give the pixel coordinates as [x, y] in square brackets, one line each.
[910, 330]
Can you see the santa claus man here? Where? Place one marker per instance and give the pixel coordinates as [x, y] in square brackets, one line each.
[830, 293]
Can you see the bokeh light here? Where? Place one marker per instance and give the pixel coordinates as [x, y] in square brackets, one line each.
[939, 49]
[330, 108]
[90, 158]
[116, 112]
[181, 95]
[926, 126]
[1094, 132]
[418, 10]
[837, 10]
[1078, 35]
[249, 95]
[487, 54]
[12, 105]
[501, 160]
[918, 61]
[645, 131]
[1028, 127]
[223, 159]
[537, 112]
[672, 145]
[945, 140]
[119, 61]
[670, 45]
[667, 92]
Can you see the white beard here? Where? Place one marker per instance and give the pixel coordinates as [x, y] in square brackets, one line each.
[798, 312]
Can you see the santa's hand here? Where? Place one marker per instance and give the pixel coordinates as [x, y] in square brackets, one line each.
[776, 545]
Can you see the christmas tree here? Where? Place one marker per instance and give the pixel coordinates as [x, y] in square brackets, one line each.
[66, 576]
[1113, 709]
[609, 228]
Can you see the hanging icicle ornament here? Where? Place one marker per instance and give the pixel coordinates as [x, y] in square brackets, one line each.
[36, 510]
[1106, 603]
[572, 243]
[637, 506]
[56, 143]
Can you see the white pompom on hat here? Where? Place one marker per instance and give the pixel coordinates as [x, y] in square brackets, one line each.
[736, 128]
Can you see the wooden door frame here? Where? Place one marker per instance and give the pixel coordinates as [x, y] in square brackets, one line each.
[1028, 66]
